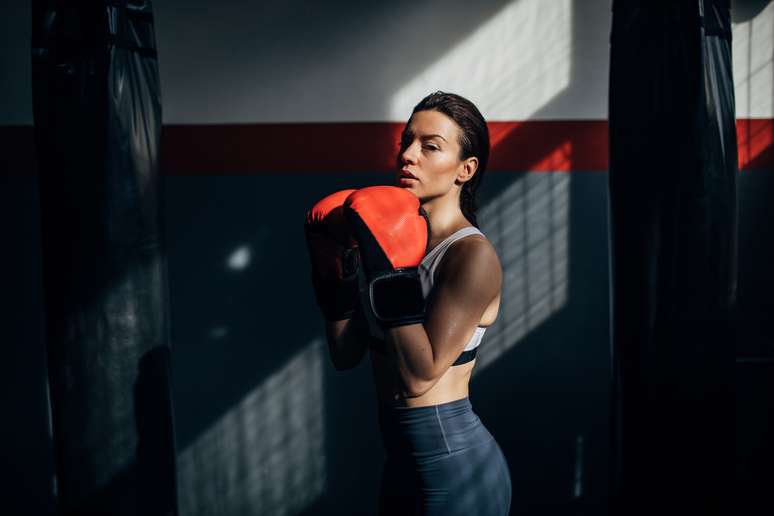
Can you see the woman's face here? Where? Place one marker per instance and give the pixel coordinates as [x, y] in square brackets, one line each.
[429, 152]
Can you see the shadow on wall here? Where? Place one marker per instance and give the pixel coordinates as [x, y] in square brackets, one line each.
[307, 50]
[267, 452]
[527, 222]
[264, 422]
[543, 392]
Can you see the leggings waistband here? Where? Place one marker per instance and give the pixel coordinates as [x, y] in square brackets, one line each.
[435, 431]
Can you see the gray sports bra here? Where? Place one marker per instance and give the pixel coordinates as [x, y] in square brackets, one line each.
[427, 269]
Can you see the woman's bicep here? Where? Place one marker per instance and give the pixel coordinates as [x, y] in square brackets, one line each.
[468, 282]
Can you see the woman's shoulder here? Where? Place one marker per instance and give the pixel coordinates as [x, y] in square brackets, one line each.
[475, 247]
[473, 256]
[468, 238]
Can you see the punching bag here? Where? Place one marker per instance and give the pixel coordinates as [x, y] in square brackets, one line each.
[97, 116]
[673, 231]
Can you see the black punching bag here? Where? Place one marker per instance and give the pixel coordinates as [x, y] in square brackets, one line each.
[673, 227]
[97, 115]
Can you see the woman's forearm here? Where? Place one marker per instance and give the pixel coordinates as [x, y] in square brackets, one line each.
[410, 348]
[347, 342]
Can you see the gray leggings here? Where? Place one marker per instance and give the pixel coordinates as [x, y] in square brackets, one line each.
[441, 460]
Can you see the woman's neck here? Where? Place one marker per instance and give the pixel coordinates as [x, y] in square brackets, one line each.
[445, 216]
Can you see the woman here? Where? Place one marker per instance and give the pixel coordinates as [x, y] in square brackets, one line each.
[440, 458]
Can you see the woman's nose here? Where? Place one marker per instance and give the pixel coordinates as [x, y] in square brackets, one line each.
[409, 154]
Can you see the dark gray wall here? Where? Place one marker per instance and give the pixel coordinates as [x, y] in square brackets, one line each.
[537, 397]
[233, 330]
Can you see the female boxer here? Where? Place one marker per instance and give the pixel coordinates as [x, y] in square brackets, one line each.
[440, 457]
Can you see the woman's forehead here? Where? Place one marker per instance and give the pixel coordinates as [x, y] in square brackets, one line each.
[432, 122]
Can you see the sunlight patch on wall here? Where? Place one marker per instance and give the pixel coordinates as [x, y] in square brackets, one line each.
[239, 258]
[509, 67]
[753, 62]
[528, 225]
[266, 456]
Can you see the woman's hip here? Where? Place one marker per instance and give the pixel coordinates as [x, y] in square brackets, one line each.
[443, 461]
[426, 434]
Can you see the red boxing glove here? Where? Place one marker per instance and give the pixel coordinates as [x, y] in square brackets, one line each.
[393, 232]
[334, 257]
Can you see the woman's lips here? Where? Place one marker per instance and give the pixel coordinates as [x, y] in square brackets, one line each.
[405, 180]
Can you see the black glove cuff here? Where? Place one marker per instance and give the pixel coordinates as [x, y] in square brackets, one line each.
[338, 301]
[396, 298]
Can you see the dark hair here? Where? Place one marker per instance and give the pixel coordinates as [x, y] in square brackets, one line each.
[474, 140]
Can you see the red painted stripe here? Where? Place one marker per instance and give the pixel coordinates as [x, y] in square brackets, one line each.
[257, 148]
[549, 145]
[536, 146]
[349, 147]
[755, 141]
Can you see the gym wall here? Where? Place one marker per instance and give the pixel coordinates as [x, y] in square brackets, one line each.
[266, 109]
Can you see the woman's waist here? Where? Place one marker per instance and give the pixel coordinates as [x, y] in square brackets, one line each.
[389, 396]
[452, 385]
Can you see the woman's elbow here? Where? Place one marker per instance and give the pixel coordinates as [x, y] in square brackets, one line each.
[343, 357]
[415, 388]
[343, 365]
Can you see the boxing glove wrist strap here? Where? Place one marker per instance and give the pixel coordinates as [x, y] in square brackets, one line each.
[396, 298]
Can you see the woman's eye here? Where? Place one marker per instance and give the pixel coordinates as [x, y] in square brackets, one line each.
[431, 147]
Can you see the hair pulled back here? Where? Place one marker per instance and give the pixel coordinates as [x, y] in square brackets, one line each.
[474, 140]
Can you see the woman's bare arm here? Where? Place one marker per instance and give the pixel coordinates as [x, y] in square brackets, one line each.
[347, 340]
[469, 279]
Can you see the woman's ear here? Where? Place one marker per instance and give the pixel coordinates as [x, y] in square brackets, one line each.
[468, 169]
